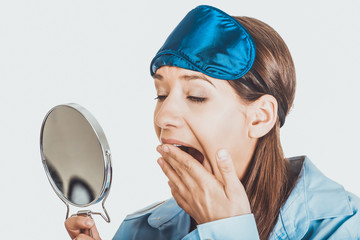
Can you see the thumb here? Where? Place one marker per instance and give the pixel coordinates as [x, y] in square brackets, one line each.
[75, 224]
[228, 172]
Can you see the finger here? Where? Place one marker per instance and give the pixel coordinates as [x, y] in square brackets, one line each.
[180, 200]
[86, 231]
[74, 225]
[83, 236]
[184, 173]
[185, 165]
[173, 159]
[95, 233]
[173, 176]
[225, 164]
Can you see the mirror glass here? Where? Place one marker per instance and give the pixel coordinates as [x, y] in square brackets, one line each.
[75, 155]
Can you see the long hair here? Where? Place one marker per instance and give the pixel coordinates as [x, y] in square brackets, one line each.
[267, 180]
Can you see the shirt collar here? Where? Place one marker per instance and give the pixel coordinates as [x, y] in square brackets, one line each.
[164, 213]
[314, 197]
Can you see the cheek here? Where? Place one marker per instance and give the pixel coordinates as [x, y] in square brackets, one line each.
[230, 135]
[226, 129]
[157, 131]
[156, 127]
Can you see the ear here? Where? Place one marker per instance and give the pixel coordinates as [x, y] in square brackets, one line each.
[262, 116]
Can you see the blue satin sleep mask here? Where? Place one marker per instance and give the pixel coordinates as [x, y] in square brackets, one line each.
[210, 41]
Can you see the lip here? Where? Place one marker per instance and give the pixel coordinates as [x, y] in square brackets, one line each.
[174, 141]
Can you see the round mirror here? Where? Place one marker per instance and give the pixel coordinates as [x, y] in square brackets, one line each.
[75, 155]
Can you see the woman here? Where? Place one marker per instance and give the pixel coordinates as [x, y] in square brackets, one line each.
[221, 103]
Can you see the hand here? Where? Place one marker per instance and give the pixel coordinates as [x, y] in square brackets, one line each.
[200, 193]
[78, 228]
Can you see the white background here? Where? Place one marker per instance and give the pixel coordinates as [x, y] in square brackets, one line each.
[97, 53]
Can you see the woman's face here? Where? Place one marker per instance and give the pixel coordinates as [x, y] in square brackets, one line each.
[203, 113]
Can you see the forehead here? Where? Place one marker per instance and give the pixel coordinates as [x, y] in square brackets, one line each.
[170, 73]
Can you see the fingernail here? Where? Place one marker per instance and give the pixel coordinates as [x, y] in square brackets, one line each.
[165, 148]
[222, 155]
[89, 222]
[160, 162]
[158, 148]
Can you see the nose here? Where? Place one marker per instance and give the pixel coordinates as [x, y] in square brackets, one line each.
[168, 114]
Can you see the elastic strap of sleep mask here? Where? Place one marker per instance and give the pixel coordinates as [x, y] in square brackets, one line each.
[250, 85]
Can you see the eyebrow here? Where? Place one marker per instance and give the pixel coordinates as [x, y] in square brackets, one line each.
[158, 76]
[186, 77]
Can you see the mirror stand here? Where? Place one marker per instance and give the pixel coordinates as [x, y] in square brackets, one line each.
[77, 159]
[89, 213]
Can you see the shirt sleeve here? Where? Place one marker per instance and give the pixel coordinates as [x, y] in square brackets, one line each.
[239, 227]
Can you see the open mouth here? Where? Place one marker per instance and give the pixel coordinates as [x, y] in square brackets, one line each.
[193, 152]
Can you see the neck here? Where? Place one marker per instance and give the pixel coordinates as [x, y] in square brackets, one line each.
[193, 224]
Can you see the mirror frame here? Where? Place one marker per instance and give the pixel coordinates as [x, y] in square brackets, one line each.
[105, 153]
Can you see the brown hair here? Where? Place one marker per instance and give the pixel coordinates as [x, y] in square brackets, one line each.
[267, 180]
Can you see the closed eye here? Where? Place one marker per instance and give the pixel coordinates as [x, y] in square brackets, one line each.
[160, 98]
[196, 99]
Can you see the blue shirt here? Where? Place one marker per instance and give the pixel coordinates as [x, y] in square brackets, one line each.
[317, 208]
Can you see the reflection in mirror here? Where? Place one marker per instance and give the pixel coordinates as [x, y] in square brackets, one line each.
[76, 156]
[79, 191]
[73, 155]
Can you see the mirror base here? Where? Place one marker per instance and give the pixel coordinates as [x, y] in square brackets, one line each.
[105, 216]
